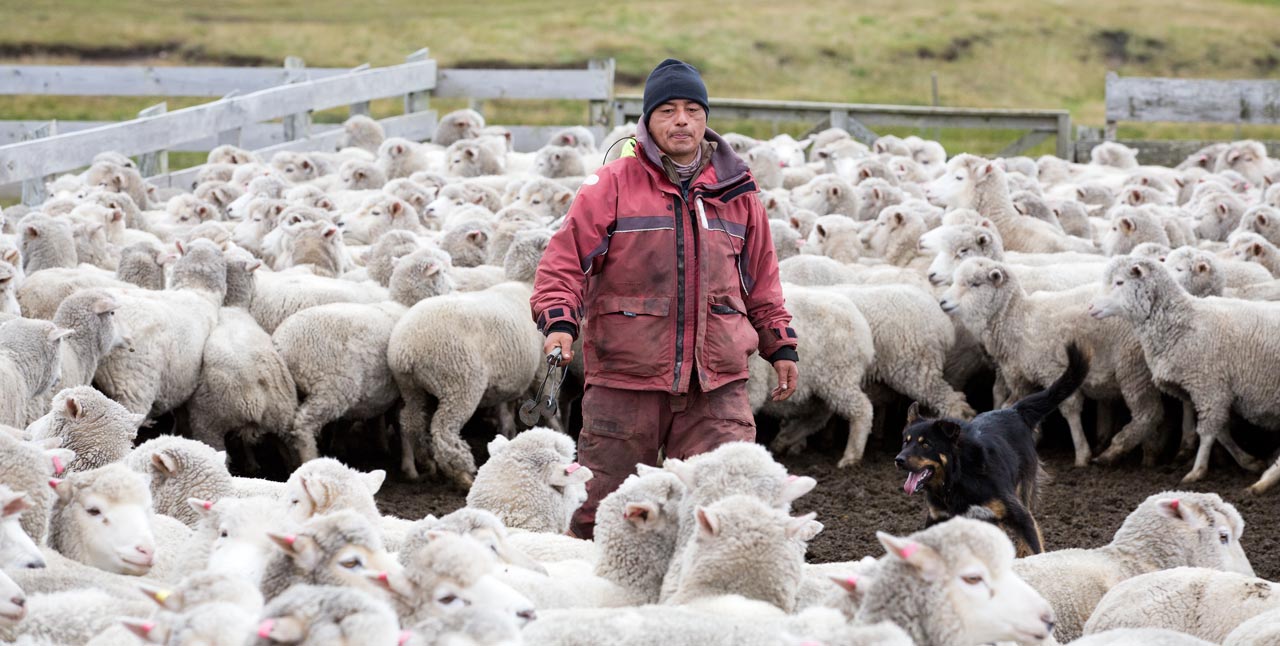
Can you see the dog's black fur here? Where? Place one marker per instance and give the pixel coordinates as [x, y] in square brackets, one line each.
[986, 468]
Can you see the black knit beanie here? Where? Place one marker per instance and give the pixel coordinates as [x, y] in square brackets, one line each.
[673, 79]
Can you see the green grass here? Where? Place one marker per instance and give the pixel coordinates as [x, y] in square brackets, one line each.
[986, 53]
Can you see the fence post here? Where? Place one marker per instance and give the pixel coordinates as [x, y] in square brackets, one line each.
[1064, 137]
[296, 126]
[361, 107]
[419, 101]
[600, 114]
[155, 162]
[33, 190]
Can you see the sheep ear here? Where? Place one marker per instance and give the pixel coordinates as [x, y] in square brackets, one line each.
[865, 173]
[182, 250]
[987, 224]
[897, 217]
[708, 524]
[104, 305]
[821, 230]
[683, 470]
[478, 237]
[59, 458]
[394, 582]
[922, 557]
[795, 223]
[317, 492]
[12, 256]
[983, 240]
[305, 164]
[804, 528]
[284, 630]
[62, 488]
[1255, 249]
[795, 487]
[987, 169]
[1136, 271]
[1201, 267]
[996, 276]
[32, 232]
[1180, 510]
[57, 334]
[1261, 219]
[567, 197]
[202, 507]
[497, 445]
[146, 630]
[1127, 225]
[330, 231]
[302, 549]
[373, 480]
[396, 208]
[641, 514]
[470, 153]
[73, 408]
[164, 463]
[836, 191]
[1222, 208]
[567, 474]
[14, 503]
[850, 586]
[164, 597]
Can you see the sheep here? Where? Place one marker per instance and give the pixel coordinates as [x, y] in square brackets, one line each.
[953, 584]
[10, 276]
[325, 615]
[90, 314]
[220, 194]
[1264, 220]
[531, 481]
[471, 158]
[118, 178]
[544, 198]
[244, 387]
[895, 236]
[160, 371]
[46, 243]
[1201, 602]
[29, 367]
[325, 485]
[99, 430]
[493, 367]
[210, 624]
[26, 466]
[990, 302]
[17, 549]
[333, 549]
[1141, 637]
[142, 264]
[973, 182]
[479, 626]
[559, 161]
[732, 468]
[835, 236]
[102, 518]
[823, 323]
[1169, 529]
[316, 245]
[484, 527]
[1204, 363]
[295, 167]
[1131, 227]
[952, 244]
[1251, 247]
[48, 621]
[232, 536]
[276, 296]
[360, 131]
[1261, 630]
[786, 239]
[827, 194]
[179, 469]
[1217, 214]
[356, 175]
[459, 124]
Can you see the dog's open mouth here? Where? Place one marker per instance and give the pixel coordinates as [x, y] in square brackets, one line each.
[916, 479]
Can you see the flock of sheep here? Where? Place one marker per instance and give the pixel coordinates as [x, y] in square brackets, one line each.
[390, 282]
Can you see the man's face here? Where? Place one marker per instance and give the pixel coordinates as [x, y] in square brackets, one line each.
[677, 127]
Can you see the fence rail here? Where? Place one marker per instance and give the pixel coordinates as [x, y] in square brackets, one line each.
[859, 118]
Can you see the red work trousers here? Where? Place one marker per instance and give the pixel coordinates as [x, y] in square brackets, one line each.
[621, 428]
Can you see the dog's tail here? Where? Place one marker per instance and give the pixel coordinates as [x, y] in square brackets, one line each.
[1035, 407]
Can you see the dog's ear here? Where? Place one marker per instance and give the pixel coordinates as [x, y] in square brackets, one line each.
[913, 413]
[951, 429]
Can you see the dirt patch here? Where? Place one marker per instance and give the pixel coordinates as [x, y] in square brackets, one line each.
[954, 50]
[1119, 46]
[1078, 508]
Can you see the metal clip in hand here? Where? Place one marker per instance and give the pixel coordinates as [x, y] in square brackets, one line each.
[534, 409]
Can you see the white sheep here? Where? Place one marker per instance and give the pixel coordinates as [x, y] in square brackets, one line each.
[1167, 530]
[45, 243]
[1201, 602]
[17, 549]
[360, 131]
[988, 299]
[1251, 247]
[341, 548]
[531, 481]
[1205, 362]
[1262, 630]
[26, 466]
[99, 430]
[1142, 637]
[326, 615]
[459, 124]
[495, 365]
[179, 469]
[102, 518]
[30, 365]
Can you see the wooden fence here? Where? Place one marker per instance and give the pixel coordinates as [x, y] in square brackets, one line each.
[860, 119]
[251, 99]
[1140, 99]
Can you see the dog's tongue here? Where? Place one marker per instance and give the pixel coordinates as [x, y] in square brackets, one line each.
[913, 481]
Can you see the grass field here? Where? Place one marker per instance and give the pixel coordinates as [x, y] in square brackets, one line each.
[986, 53]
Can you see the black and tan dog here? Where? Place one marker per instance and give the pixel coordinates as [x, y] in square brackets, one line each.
[986, 468]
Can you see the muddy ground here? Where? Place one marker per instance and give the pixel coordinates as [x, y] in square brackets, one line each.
[1078, 508]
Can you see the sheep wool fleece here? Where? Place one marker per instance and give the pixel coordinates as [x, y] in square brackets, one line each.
[673, 288]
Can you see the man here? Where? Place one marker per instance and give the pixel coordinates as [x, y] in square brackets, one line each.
[666, 266]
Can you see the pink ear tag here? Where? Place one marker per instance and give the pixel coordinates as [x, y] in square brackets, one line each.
[54, 482]
[147, 627]
[909, 549]
[208, 504]
[57, 466]
[852, 581]
[1173, 504]
[291, 539]
[404, 637]
[572, 467]
[383, 577]
[264, 628]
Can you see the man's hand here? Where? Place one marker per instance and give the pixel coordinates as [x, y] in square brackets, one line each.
[788, 379]
[560, 340]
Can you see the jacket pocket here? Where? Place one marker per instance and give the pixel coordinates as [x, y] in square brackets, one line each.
[631, 335]
[729, 339]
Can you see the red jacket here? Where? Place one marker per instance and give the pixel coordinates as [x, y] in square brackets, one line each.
[662, 283]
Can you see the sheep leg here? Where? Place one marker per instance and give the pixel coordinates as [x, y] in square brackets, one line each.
[450, 452]
[1187, 446]
[507, 419]
[1105, 422]
[793, 431]
[1242, 457]
[413, 426]
[860, 414]
[1143, 401]
[1268, 479]
[1072, 408]
[1212, 421]
[312, 415]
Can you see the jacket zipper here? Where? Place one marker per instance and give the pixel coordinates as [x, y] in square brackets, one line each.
[675, 384]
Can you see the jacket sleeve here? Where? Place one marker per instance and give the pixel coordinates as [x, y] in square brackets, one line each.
[765, 305]
[575, 251]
